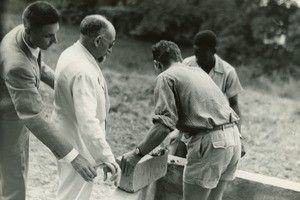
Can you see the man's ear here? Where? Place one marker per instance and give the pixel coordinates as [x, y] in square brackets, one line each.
[97, 41]
[27, 31]
[214, 50]
[157, 65]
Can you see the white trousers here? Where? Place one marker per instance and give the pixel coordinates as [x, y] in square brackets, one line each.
[71, 185]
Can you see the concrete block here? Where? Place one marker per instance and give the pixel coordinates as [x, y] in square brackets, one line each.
[170, 186]
[252, 186]
[148, 170]
[246, 186]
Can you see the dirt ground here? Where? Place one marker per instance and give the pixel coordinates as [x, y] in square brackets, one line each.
[271, 127]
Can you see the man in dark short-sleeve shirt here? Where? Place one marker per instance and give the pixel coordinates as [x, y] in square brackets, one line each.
[187, 99]
[21, 105]
[220, 71]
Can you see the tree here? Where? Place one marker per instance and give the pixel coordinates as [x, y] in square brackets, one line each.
[292, 36]
[249, 31]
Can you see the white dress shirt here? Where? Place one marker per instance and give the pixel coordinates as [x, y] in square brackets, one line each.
[81, 104]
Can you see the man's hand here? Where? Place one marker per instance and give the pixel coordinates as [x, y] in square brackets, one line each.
[243, 150]
[174, 137]
[84, 168]
[129, 161]
[173, 140]
[115, 171]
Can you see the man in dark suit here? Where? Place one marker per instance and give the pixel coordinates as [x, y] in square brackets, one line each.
[21, 106]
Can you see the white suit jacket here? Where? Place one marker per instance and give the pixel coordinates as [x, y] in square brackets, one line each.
[81, 103]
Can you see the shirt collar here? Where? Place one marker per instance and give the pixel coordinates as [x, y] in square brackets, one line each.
[88, 54]
[218, 65]
[34, 52]
[175, 64]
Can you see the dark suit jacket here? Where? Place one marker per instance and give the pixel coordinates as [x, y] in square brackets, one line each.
[20, 76]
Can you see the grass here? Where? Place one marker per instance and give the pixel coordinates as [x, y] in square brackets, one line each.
[271, 114]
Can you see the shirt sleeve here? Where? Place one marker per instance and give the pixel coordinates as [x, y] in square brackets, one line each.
[21, 84]
[70, 156]
[85, 103]
[165, 110]
[233, 85]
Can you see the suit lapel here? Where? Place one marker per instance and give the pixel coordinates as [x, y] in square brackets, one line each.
[35, 63]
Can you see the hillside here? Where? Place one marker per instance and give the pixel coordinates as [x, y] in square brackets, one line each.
[271, 129]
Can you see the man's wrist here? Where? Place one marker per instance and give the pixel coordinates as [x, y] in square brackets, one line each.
[138, 152]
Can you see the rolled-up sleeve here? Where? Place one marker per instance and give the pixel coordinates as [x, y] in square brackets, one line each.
[165, 103]
[85, 103]
[21, 84]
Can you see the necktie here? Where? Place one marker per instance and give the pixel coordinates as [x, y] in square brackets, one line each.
[39, 59]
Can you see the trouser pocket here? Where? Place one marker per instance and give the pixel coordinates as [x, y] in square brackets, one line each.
[199, 147]
[223, 144]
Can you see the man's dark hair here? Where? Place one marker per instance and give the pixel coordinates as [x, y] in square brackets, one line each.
[165, 51]
[206, 38]
[93, 25]
[39, 14]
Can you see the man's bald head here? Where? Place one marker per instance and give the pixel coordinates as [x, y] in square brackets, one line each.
[98, 35]
[94, 25]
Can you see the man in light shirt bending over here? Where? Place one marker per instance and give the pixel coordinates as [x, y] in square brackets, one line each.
[81, 104]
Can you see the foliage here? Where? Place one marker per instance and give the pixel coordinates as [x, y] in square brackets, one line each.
[266, 24]
[73, 11]
[1, 22]
[260, 33]
[174, 20]
[249, 31]
[293, 41]
[124, 19]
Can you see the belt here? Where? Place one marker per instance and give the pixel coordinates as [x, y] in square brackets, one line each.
[223, 127]
[216, 128]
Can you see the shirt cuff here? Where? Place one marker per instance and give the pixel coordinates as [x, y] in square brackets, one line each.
[70, 156]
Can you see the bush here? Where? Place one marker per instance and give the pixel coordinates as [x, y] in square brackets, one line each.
[247, 30]
[123, 18]
[73, 11]
[174, 20]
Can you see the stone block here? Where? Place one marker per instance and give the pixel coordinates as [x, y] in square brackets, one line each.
[149, 169]
[170, 186]
[252, 186]
[246, 186]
